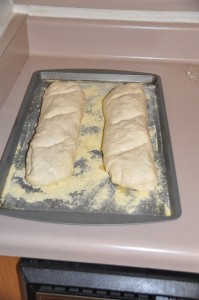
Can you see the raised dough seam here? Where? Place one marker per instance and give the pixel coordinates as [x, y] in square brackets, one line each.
[108, 122]
[123, 152]
[38, 147]
[61, 93]
[131, 94]
[60, 114]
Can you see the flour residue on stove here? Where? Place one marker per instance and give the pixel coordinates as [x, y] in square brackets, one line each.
[89, 189]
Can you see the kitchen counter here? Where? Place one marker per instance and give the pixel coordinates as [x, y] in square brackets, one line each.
[171, 245]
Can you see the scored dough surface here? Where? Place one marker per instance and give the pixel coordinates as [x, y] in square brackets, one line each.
[127, 149]
[53, 148]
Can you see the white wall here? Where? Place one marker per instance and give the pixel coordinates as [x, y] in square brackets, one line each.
[5, 14]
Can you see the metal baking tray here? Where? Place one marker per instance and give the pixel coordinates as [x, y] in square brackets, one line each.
[89, 196]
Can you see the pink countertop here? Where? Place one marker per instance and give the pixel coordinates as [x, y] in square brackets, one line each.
[170, 245]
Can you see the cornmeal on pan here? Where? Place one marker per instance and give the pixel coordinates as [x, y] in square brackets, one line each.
[90, 188]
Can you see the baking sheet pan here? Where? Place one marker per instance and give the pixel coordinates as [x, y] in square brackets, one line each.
[89, 197]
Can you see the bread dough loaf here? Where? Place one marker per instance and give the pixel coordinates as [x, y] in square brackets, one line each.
[127, 150]
[53, 148]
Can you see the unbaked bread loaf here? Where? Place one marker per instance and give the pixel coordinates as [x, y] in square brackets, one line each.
[127, 149]
[53, 148]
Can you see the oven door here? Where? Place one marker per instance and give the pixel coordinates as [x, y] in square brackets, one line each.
[57, 280]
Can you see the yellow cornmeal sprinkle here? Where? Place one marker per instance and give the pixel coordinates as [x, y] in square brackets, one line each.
[91, 180]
